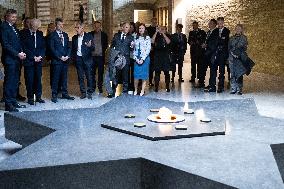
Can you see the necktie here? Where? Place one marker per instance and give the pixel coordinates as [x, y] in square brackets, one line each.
[208, 34]
[61, 38]
[220, 32]
[123, 37]
[34, 38]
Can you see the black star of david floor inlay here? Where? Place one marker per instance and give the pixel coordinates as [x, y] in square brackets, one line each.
[70, 149]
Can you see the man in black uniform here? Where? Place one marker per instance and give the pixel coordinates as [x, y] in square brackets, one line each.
[196, 38]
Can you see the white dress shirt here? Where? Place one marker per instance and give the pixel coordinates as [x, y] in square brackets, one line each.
[80, 42]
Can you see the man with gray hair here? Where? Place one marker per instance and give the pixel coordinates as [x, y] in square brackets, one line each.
[34, 46]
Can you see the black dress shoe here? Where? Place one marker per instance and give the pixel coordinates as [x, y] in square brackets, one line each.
[240, 93]
[207, 87]
[11, 108]
[168, 90]
[210, 90]
[54, 99]
[192, 81]
[220, 90]
[100, 91]
[31, 102]
[20, 98]
[180, 80]
[68, 97]
[17, 105]
[110, 96]
[156, 90]
[233, 92]
[83, 96]
[40, 100]
[90, 96]
[151, 84]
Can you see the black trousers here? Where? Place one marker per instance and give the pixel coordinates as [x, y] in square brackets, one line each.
[196, 60]
[202, 68]
[178, 60]
[33, 82]
[60, 72]
[123, 74]
[219, 62]
[11, 83]
[151, 69]
[98, 66]
[157, 79]
[131, 75]
[84, 69]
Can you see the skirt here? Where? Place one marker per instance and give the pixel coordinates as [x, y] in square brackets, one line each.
[141, 71]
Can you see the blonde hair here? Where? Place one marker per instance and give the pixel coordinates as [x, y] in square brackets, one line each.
[35, 23]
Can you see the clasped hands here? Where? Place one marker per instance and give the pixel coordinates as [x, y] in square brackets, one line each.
[22, 55]
[64, 58]
[139, 61]
[37, 58]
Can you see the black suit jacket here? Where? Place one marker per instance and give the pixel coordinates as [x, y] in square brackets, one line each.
[29, 47]
[123, 46]
[223, 41]
[57, 50]
[196, 39]
[104, 41]
[177, 45]
[211, 42]
[85, 50]
[11, 44]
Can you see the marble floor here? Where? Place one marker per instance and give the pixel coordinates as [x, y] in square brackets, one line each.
[267, 92]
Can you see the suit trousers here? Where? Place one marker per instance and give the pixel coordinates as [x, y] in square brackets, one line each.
[124, 75]
[202, 68]
[98, 64]
[157, 79]
[11, 82]
[219, 61]
[33, 82]
[196, 60]
[84, 70]
[60, 72]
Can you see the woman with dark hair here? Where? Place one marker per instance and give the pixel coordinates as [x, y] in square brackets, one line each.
[132, 31]
[141, 56]
[161, 42]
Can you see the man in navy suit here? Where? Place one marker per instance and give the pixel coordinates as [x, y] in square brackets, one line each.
[82, 54]
[220, 57]
[123, 42]
[100, 41]
[60, 53]
[13, 55]
[34, 45]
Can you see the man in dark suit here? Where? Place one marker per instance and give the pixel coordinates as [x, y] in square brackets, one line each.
[209, 47]
[34, 46]
[196, 38]
[220, 57]
[82, 54]
[100, 41]
[179, 47]
[60, 53]
[13, 55]
[123, 42]
[151, 31]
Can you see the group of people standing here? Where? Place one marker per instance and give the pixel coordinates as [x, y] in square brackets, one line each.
[137, 53]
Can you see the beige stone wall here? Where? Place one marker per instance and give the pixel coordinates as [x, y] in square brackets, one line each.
[263, 20]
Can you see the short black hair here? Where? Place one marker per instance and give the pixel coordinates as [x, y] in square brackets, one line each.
[194, 22]
[97, 22]
[10, 11]
[58, 20]
[179, 26]
[220, 19]
[214, 21]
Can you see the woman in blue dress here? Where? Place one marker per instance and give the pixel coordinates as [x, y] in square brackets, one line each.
[142, 60]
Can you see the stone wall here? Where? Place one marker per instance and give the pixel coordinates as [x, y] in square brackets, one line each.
[263, 21]
[18, 5]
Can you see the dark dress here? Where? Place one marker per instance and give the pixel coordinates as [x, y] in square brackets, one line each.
[162, 54]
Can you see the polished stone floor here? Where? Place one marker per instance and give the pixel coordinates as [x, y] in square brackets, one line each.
[266, 91]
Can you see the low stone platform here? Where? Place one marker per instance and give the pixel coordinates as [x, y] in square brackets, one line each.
[70, 149]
